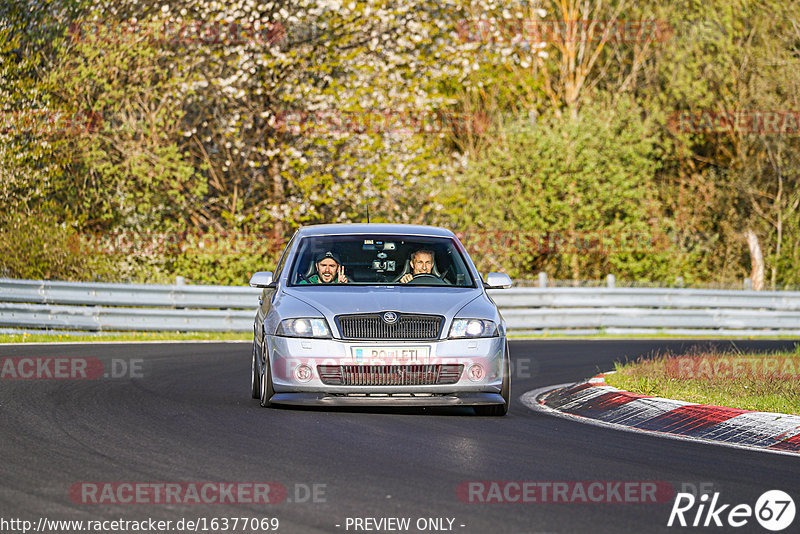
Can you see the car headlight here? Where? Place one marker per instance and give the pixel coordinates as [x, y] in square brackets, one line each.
[472, 328]
[304, 327]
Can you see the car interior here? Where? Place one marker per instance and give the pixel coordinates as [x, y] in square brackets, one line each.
[383, 260]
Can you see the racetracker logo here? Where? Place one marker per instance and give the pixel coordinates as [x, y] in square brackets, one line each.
[763, 122]
[48, 122]
[68, 368]
[177, 493]
[574, 491]
[592, 242]
[184, 32]
[774, 510]
[155, 243]
[401, 366]
[386, 121]
[716, 367]
[535, 33]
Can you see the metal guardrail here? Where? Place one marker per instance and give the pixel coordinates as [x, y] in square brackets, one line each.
[49, 305]
[650, 311]
[140, 295]
[661, 298]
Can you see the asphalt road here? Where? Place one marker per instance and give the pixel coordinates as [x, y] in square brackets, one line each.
[184, 414]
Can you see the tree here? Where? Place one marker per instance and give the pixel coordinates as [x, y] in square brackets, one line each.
[728, 82]
[573, 197]
[191, 98]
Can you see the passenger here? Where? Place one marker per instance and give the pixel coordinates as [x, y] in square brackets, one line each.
[421, 263]
[329, 270]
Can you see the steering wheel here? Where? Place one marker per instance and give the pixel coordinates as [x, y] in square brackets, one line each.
[427, 279]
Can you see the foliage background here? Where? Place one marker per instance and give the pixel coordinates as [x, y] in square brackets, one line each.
[135, 156]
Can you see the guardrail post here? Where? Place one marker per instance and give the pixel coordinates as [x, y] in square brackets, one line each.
[542, 279]
[748, 284]
[611, 281]
[180, 280]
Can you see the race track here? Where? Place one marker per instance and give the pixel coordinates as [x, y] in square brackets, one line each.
[184, 414]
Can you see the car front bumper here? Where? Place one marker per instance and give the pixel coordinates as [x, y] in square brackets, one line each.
[322, 399]
[287, 355]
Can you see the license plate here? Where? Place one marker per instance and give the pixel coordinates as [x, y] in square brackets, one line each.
[381, 355]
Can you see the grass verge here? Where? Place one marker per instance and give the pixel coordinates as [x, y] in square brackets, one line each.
[767, 382]
[125, 336]
[654, 335]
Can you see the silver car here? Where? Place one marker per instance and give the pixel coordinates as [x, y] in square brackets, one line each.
[379, 314]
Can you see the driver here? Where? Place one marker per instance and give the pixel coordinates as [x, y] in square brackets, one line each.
[329, 270]
[421, 263]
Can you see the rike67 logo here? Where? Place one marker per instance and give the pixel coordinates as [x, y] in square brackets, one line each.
[774, 510]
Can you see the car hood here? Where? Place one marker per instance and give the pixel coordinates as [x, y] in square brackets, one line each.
[332, 301]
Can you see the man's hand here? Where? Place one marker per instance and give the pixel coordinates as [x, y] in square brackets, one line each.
[342, 276]
[406, 278]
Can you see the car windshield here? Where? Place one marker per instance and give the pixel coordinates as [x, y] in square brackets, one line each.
[383, 260]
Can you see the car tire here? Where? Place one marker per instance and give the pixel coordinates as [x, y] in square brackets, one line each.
[499, 410]
[266, 391]
[255, 378]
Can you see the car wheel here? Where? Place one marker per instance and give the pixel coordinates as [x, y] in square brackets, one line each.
[255, 378]
[505, 392]
[266, 389]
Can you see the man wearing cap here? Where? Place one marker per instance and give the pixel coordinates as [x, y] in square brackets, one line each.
[329, 270]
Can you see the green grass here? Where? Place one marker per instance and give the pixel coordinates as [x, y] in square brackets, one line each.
[761, 382]
[704, 336]
[125, 336]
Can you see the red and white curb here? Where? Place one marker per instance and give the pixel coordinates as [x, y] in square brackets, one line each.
[594, 401]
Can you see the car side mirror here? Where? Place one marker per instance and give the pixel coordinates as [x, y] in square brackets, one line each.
[498, 281]
[261, 279]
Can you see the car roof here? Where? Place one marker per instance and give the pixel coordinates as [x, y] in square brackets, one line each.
[374, 229]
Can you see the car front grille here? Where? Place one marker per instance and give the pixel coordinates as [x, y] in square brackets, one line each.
[389, 375]
[372, 326]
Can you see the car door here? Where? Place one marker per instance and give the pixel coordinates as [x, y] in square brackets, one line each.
[268, 293]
